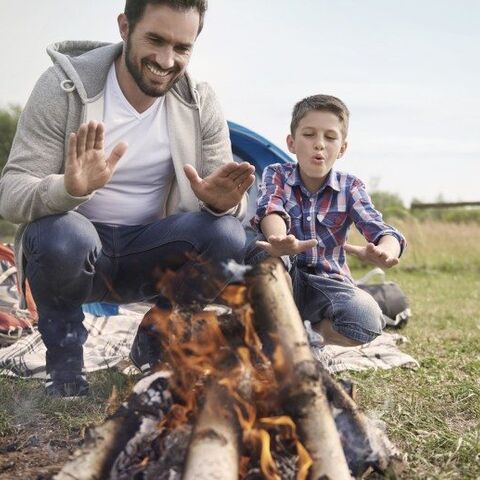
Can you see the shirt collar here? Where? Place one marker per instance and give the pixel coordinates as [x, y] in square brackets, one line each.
[294, 177]
[331, 181]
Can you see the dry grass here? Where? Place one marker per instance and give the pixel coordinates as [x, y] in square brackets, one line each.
[440, 246]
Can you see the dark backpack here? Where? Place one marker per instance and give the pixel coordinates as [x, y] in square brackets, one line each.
[389, 296]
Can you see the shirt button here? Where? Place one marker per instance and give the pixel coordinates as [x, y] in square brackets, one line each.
[309, 218]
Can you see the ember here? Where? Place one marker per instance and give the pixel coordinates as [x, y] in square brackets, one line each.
[236, 395]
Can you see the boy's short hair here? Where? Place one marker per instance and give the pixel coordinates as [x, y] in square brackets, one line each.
[322, 103]
[134, 9]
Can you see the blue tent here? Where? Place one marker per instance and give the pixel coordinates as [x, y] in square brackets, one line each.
[255, 149]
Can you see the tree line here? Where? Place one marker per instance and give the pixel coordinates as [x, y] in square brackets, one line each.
[8, 125]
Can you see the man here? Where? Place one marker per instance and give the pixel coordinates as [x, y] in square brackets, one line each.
[121, 167]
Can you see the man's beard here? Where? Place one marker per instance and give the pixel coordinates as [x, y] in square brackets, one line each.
[137, 75]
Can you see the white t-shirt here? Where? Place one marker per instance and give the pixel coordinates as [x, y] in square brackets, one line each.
[137, 191]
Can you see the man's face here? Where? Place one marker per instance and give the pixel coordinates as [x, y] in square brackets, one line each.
[318, 143]
[158, 49]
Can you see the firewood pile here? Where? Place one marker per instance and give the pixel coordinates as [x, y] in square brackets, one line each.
[236, 395]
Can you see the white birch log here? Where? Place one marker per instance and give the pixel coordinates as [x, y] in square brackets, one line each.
[213, 450]
[303, 392]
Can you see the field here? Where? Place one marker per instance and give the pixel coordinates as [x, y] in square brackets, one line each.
[432, 414]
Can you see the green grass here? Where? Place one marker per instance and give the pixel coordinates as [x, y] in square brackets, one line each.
[433, 414]
[26, 407]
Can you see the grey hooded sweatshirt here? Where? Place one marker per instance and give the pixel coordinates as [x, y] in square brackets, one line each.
[72, 92]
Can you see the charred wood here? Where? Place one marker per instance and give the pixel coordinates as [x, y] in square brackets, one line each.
[123, 432]
[303, 393]
[365, 445]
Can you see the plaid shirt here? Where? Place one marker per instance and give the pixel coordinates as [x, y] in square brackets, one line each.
[325, 215]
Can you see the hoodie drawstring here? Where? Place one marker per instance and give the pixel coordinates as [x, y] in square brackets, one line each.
[67, 86]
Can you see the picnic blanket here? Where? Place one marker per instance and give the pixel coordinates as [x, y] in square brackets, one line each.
[110, 339]
[383, 353]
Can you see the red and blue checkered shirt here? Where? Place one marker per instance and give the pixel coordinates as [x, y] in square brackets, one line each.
[325, 215]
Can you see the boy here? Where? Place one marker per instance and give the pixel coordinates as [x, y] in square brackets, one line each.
[305, 209]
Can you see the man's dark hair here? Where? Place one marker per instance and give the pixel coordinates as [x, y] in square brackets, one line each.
[134, 9]
[322, 103]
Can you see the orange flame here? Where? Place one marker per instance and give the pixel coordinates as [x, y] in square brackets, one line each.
[304, 459]
[267, 463]
[196, 350]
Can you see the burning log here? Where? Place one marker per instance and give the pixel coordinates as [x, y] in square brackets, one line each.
[303, 392]
[213, 451]
[365, 445]
[123, 432]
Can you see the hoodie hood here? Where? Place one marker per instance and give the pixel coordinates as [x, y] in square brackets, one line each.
[86, 65]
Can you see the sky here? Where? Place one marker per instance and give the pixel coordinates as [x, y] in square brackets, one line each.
[408, 71]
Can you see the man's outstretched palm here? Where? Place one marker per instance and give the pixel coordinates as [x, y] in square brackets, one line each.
[87, 168]
[223, 188]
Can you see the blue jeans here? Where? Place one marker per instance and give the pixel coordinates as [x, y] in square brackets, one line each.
[354, 313]
[71, 261]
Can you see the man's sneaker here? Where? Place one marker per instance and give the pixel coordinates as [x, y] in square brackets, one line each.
[139, 356]
[65, 372]
[145, 352]
[77, 387]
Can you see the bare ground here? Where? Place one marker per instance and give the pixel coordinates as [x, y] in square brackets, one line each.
[35, 453]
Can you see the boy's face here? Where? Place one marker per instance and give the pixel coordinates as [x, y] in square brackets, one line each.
[317, 143]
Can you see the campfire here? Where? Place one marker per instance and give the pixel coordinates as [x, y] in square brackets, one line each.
[236, 394]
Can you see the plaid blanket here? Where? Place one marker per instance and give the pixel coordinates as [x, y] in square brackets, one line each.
[110, 339]
[382, 353]
[108, 343]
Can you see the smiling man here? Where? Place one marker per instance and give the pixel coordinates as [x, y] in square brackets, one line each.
[121, 168]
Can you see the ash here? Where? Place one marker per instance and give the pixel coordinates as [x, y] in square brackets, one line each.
[163, 458]
[283, 453]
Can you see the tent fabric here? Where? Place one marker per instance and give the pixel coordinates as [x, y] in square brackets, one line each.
[255, 149]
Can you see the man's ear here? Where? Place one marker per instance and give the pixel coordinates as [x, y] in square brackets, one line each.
[342, 149]
[291, 144]
[123, 26]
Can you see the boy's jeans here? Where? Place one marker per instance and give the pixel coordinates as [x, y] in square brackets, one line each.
[71, 261]
[354, 312]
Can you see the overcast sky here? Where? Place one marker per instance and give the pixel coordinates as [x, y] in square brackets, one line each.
[408, 70]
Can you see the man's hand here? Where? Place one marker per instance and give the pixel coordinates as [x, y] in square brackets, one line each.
[223, 188]
[279, 245]
[86, 168]
[376, 254]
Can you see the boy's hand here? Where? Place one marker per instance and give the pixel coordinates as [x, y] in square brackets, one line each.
[373, 254]
[279, 245]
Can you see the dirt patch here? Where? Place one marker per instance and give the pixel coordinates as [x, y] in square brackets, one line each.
[35, 454]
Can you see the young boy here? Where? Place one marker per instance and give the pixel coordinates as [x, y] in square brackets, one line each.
[305, 210]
